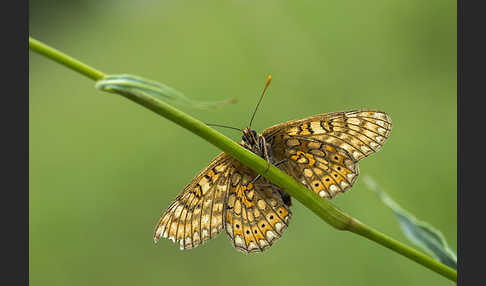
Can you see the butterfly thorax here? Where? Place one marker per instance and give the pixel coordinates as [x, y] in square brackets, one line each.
[255, 142]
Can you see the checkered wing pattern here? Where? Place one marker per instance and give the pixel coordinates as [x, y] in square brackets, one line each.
[196, 215]
[256, 215]
[223, 195]
[322, 151]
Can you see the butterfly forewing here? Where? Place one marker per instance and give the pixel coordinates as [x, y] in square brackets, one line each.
[322, 151]
[197, 213]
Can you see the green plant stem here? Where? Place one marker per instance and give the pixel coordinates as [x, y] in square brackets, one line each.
[380, 238]
[311, 200]
[64, 59]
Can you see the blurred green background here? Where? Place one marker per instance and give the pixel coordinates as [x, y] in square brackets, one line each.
[103, 169]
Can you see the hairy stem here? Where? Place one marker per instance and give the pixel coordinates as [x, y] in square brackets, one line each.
[325, 210]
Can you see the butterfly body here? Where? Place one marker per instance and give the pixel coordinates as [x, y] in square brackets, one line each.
[257, 144]
[321, 152]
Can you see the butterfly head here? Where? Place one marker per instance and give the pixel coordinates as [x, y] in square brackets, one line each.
[250, 137]
[254, 142]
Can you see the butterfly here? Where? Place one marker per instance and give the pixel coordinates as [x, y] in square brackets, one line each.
[321, 152]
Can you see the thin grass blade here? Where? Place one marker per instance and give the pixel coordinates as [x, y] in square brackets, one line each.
[132, 84]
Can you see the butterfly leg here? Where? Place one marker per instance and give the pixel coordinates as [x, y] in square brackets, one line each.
[259, 176]
[265, 152]
[280, 162]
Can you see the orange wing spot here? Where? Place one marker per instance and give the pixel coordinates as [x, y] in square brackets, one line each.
[256, 213]
[237, 227]
[327, 180]
[257, 233]
[326, 126]
[198, 191]
[211, 174]
[264, 226]
[282, 212]
[322, 166]
[303, 158]
[250, 217]
[229, 218]
[240, 193]
[250, 194]
[341, 170]
[317, 186]
[248, 235]
[337, 177]
[312, 161]
[305, 130]
[337, 158]
[330, 148]
[273, 218]
[261, 205]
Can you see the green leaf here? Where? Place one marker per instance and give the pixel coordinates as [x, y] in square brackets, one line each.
[125, 83]
[418, 232]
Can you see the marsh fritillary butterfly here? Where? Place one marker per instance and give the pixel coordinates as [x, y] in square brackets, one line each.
[321, 152]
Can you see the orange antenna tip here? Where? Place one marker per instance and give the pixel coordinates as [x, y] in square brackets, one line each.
[269, 79]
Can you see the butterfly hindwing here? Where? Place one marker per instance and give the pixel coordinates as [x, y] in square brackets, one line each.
[256, 215]
[196, 215]
[323, 168]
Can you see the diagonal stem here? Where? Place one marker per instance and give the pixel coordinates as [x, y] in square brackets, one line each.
[325, 210]
[64, 59]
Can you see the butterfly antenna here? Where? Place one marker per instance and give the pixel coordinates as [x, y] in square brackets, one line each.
[261, 97]
[224, 126]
